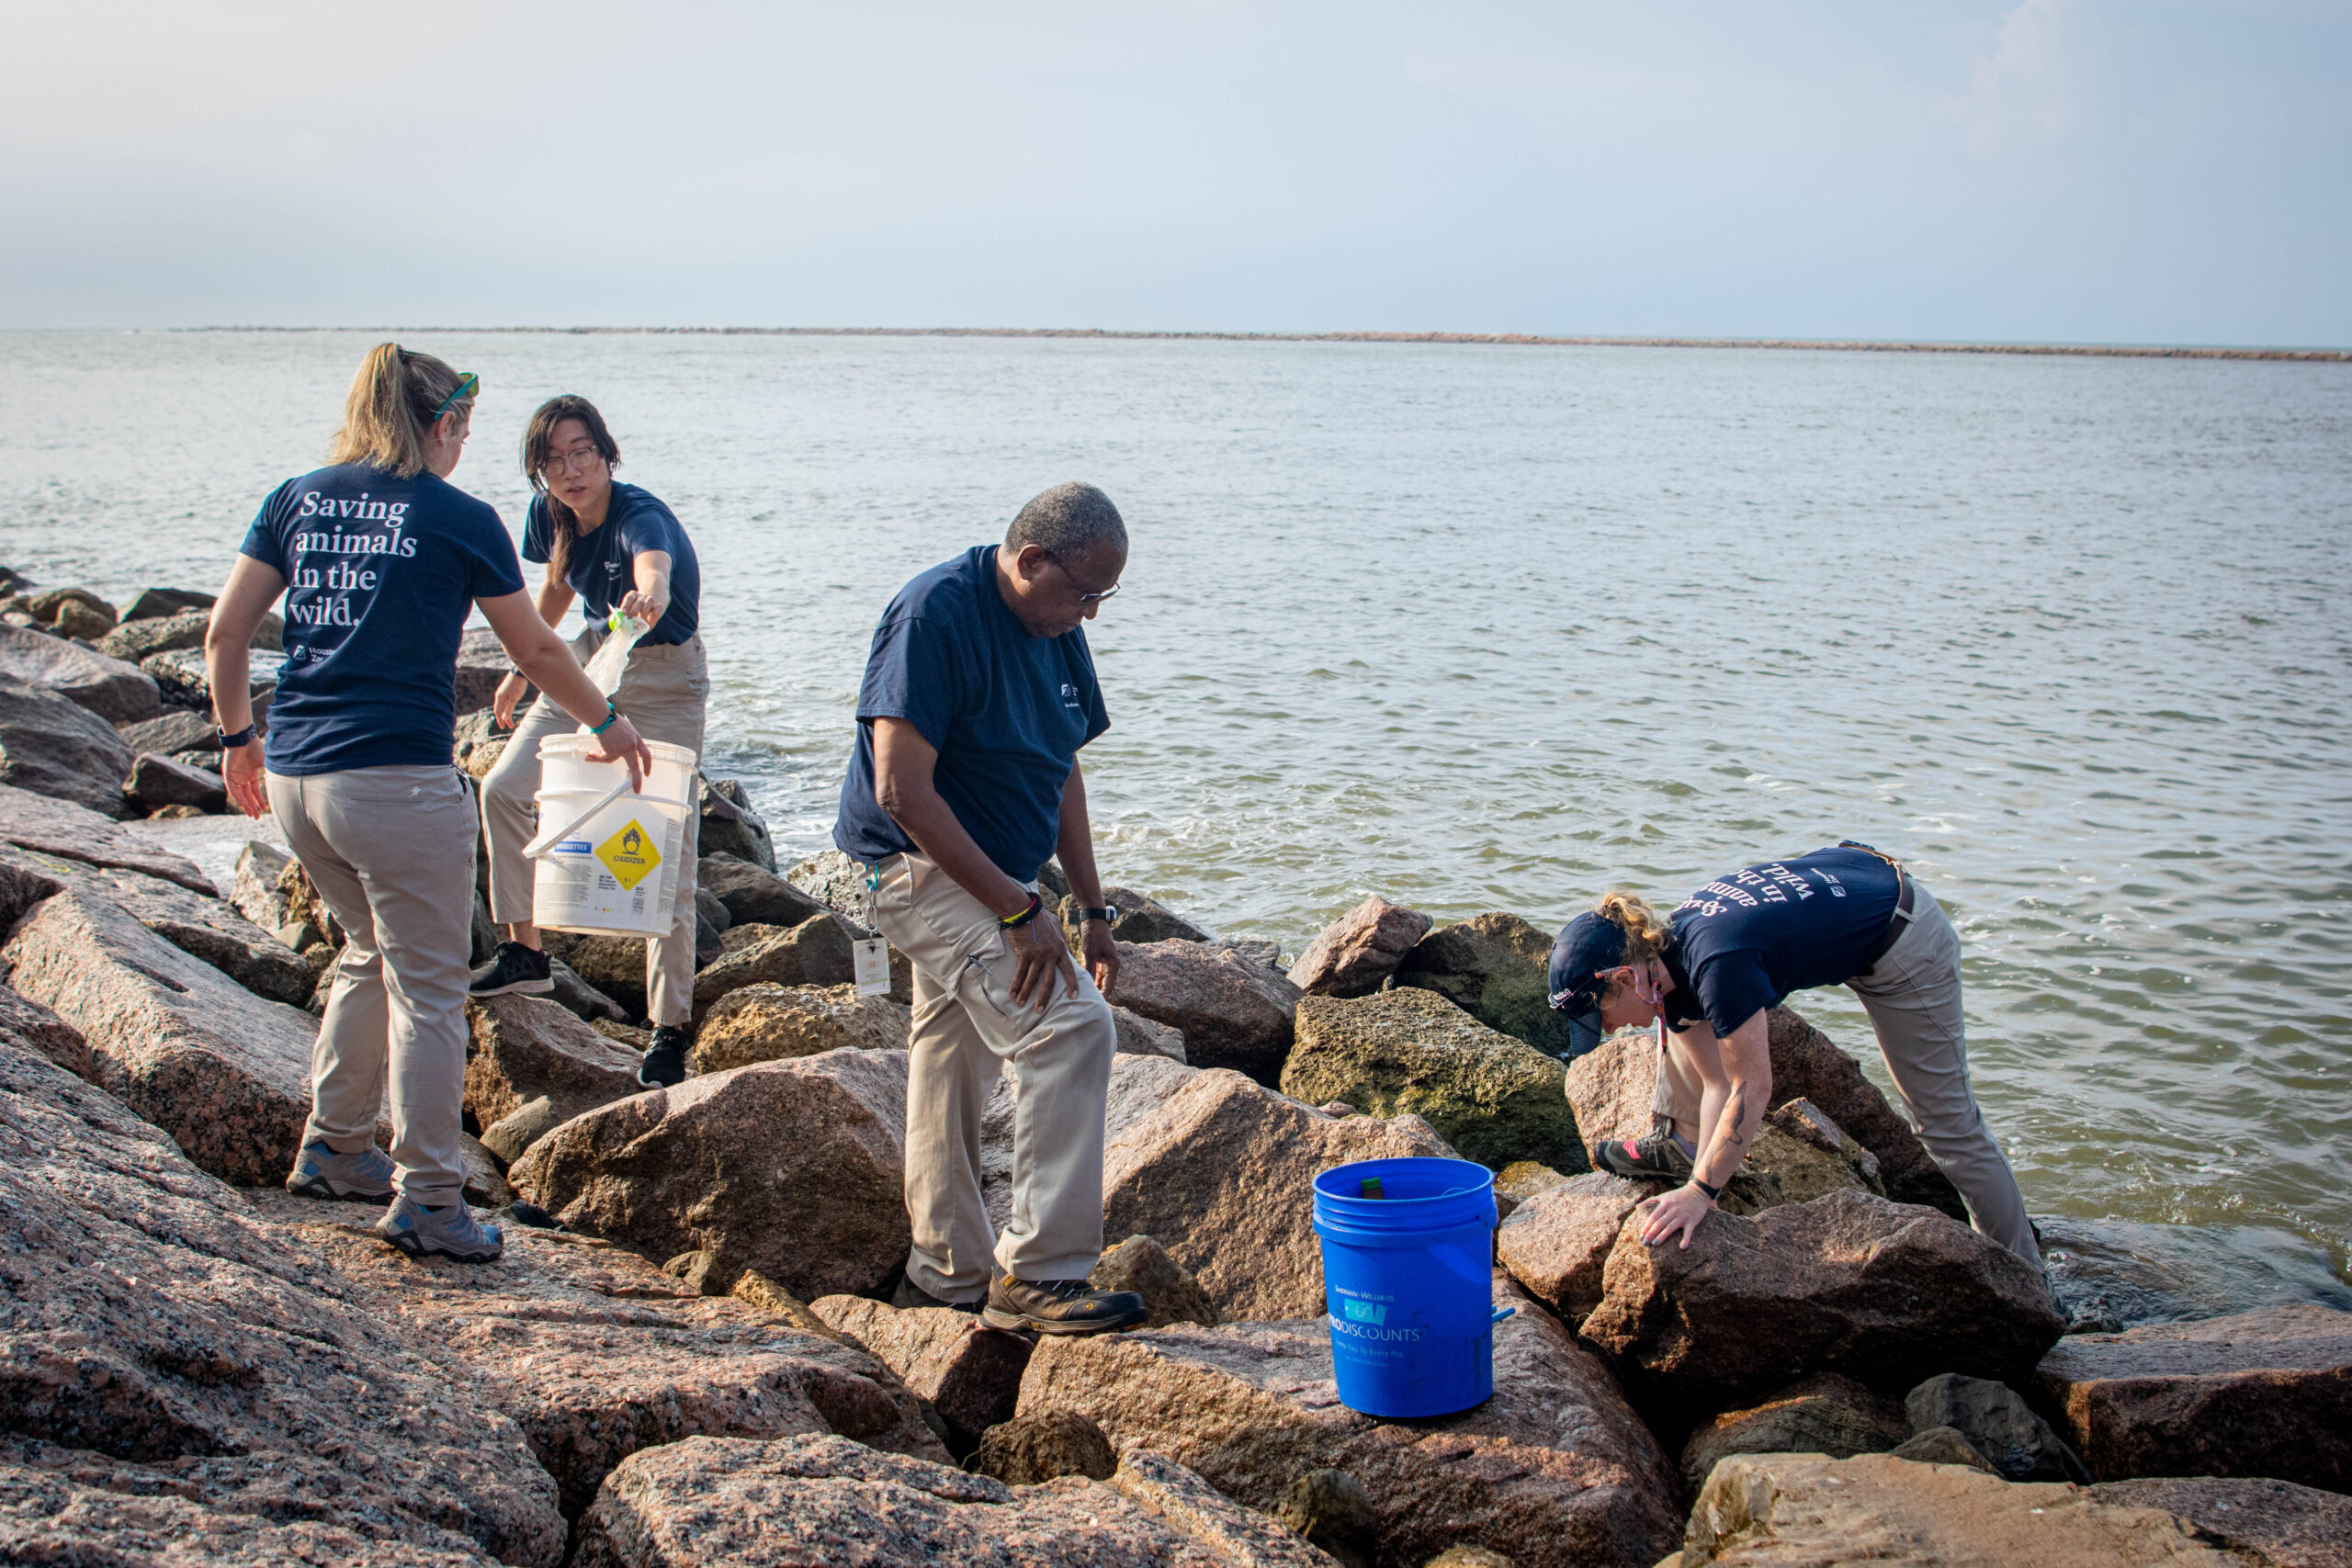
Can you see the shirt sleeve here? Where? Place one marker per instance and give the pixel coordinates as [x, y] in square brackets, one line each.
[491, 570]
[1732, 987]
[262, 541]
[914, 673]
[539, 539]
[650, 529]
[1098, 717]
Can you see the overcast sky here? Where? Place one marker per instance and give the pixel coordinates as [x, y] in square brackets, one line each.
[2058, 170]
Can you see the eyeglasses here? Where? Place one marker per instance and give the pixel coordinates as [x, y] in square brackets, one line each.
[1087, 598]
[579, 460]
[468, 385]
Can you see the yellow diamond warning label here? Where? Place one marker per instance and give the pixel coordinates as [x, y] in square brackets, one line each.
[630, 854]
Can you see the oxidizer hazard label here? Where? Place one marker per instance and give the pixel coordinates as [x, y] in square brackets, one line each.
[630, 854]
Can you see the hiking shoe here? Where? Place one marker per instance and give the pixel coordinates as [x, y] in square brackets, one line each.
[516, 970]
[363, 1178]
[665, 1059]
[451, 1232]
[1655, 1158]
[1059, 1306]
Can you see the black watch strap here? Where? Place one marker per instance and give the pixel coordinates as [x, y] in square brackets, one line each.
[231, 742]
[1108, 915]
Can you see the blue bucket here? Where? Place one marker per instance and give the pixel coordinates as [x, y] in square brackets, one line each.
[1408, 1282]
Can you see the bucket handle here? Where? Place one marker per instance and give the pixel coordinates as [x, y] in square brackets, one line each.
[546, 842]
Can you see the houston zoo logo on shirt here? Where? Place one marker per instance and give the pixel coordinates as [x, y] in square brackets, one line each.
[321, 596]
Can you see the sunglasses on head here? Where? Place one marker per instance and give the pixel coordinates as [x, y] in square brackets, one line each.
[468, 385]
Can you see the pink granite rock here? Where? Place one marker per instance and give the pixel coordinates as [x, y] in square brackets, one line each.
[1555, 1469]
[226, 1073]
[800, 1502]
[155, 1321]
[1354, 954]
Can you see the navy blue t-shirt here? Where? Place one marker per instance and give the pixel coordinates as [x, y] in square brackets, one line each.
[604, 559]
[1007, 711]
[380, 574]
[1749, 938]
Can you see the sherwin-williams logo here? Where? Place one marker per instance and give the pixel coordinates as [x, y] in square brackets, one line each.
[1365, 1312]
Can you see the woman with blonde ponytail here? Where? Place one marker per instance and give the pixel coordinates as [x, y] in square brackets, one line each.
[381, 559]
[1705, 977]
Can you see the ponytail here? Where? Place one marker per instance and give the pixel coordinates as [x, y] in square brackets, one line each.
[1646, 934]
[394, 400]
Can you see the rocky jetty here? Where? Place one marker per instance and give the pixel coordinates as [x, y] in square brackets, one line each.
[713, 1358]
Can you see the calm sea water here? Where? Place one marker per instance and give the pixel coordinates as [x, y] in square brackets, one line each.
[1486, 627]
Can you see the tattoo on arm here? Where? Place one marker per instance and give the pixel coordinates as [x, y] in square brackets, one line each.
[1735, 1118]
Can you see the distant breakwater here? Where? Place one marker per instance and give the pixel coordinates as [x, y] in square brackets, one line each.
[1837, 345]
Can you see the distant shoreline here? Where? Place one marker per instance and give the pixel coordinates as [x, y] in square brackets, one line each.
[1836, 345]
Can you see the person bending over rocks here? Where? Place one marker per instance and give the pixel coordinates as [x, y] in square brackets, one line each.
[381, 559]
[1847, 914]
[978, 693]
[614, 547]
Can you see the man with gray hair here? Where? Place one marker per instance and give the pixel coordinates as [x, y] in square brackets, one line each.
[978, 691]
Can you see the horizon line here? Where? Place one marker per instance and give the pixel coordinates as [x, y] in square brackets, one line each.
[1837, 345]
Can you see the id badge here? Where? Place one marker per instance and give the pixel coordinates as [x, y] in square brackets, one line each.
[871, 959]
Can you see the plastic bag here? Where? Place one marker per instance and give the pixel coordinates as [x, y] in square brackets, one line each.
[621, 633]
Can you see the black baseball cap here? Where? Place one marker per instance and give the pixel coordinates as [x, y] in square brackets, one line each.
[1587, 946]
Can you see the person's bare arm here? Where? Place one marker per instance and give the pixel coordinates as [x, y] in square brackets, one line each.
[1738, 1075]
[554, 603]
[546, 662]
[1075, 848]
[649, 600]
[252, 587]
[903, 765]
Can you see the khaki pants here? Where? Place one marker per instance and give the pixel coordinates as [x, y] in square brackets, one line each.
[664, 693]
[391, 851]
[1913, 998]
[965, 1025]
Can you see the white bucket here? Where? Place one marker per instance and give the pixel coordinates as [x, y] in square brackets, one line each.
[607, 859]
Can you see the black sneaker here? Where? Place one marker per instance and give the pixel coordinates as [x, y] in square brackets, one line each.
[1655, 1158]
[517, 969]
[665, 1059]
[1059, 1306]
[911, 1295]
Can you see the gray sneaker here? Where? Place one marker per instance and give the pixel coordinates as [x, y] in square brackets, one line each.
[363, 1178]
[452, 1233]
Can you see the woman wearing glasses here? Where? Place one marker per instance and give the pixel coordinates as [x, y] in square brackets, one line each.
[380, 561]
[614, 547]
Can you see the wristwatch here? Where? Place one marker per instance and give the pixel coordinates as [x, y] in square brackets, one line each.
[1108, 915]
[231, 742]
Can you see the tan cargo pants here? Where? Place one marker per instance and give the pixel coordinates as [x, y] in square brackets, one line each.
[1913, 998]
[391, 851]
[665, 693]
[965, 1025]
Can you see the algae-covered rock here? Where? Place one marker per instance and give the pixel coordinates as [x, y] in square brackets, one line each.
[768, 1023]
[1496, 969]
[1496, 1098]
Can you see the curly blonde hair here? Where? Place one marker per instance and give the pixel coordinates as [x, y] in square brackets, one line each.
[1646, 934]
